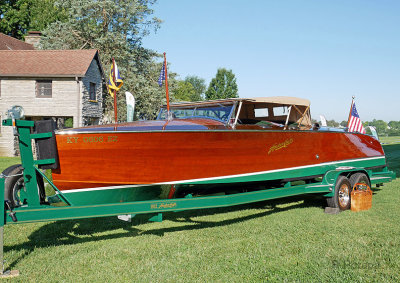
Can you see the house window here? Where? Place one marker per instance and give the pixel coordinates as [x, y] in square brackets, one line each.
[92, 92]
[43, 88]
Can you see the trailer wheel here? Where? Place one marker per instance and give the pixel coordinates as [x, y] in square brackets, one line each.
[14, 187]
[359, 178]
[341, 199]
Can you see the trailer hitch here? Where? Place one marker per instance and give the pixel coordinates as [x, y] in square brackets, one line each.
[12, 213]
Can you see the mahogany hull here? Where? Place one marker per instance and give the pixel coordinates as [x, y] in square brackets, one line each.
[104, 159]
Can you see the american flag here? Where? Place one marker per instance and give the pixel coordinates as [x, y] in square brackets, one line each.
[162, 75]
[355, 124]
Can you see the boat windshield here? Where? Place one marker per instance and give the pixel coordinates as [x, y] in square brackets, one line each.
[220, 112]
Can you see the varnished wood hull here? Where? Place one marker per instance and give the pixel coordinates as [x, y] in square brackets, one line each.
[116, 159]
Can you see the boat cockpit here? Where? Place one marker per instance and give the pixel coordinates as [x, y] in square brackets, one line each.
[279, 112]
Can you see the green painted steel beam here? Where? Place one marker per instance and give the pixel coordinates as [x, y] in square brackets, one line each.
[44, 161]
[50, 213]
[42, 135]
[19, 123]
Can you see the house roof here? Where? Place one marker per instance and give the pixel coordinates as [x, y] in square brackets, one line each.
[11, 43]
[47, 63]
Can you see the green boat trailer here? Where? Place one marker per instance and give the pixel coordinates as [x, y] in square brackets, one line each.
[34, 211]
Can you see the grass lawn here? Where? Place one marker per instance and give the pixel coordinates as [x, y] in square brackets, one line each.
[289, 239]
[8, 161]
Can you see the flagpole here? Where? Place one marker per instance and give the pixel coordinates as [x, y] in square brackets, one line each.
[166, 84]
[115, 97]
[351, 108]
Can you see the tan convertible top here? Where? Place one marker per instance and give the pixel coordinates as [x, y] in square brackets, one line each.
[282, 100]
[298, 109]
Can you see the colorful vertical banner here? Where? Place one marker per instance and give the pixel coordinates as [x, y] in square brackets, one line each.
[164, 76]
[114, 84]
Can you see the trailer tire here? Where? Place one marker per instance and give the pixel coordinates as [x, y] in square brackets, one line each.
[341, 199]
[14, 182]
[359, 178]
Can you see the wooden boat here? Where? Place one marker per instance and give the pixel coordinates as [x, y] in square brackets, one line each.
[232, 143]
[218, 153]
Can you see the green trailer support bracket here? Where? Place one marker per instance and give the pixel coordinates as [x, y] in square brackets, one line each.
[41, 135]
[50, 213]
[156, 218]
[382, 177]
[60, 194]
[19, 123]
[25, 147]
[44, 161]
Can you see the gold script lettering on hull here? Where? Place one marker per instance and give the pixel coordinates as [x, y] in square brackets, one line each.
[279, 146]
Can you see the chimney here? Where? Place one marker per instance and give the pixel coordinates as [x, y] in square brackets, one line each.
[33, 38]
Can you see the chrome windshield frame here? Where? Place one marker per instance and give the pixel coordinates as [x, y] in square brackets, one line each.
[226, 121]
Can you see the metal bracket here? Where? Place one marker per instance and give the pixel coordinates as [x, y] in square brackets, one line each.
[126, 217]
[12, 213]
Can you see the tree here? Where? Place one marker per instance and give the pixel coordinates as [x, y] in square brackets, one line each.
[394, 128]
[190, 89]
[343, 124]
[223, 85]
[116, 29]
[184, 91]
[380, 125]
[199, 86]
[19, 16]
[332, 123]
[395, 125]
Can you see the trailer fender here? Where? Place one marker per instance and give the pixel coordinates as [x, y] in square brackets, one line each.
[330, 177]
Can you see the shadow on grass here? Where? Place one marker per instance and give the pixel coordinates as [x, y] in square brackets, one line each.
[71, 232]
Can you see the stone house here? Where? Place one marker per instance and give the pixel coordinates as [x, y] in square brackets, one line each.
[57, 84]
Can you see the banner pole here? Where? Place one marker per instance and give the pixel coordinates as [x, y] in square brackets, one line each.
[351, 108]
[166, 84]
[115, 99]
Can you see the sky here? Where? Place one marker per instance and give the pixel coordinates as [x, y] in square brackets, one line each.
[324, 51]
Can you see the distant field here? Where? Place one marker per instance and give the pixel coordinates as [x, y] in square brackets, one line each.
[285, 240]
[389, 140]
